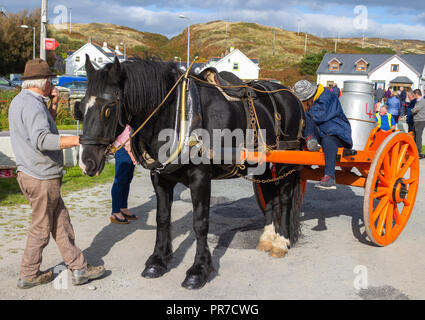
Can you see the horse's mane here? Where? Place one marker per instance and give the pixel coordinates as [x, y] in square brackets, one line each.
[147, 82]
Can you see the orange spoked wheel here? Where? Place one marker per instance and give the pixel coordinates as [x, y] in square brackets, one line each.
[391, 188]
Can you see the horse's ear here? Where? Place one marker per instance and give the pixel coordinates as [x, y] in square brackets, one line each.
[89, 67]
[115, 71]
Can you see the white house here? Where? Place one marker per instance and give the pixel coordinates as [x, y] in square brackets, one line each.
[238, 63]
[407, 70]
[99, 56]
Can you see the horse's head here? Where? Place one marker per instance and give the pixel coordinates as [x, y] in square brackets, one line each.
[99, 111]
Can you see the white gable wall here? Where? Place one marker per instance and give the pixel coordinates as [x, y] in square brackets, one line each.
[246, 68]
[384, 73]
[72, 63]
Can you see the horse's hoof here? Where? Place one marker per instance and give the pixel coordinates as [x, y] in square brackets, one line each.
[277, 253]
[152, 272]
[264, 246]
[194, 281]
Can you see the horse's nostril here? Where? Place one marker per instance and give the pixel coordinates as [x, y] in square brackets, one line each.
[90, 165]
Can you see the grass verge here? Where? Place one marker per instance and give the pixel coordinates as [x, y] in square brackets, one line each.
[73, 180]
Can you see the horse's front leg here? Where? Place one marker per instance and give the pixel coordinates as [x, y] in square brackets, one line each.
[156, 265]
[200, 189]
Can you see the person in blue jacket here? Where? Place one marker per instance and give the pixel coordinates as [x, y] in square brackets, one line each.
[394, 106]
[326, 124]
[409, 117]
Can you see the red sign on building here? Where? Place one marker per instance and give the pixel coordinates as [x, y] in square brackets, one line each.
[50, 44]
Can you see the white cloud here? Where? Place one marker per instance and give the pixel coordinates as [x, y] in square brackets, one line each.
[328, 18]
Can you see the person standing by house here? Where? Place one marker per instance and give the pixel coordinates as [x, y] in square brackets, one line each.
[38, 146]
[418, 113]
[124, 171]
[409, 116]
[379, 94]
[394, 106]
[402, 96]
[336, 90]
[388, 93]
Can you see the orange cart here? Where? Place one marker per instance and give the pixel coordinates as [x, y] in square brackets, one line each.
[388, 170]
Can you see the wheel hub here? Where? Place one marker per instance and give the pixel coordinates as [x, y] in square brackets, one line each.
[399, 191]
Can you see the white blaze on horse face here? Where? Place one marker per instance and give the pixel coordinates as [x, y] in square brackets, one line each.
[80, 159]
[90, 103]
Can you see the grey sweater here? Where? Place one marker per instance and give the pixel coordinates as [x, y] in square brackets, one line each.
[34, 137]
[418, 111]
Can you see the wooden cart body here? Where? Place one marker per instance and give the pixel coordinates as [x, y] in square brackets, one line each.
[387, 168]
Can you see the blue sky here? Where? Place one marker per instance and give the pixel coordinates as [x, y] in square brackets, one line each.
[349, 18]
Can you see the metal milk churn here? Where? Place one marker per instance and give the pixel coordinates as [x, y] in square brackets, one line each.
[359, 106]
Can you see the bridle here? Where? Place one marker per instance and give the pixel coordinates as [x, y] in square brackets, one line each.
[106, 114]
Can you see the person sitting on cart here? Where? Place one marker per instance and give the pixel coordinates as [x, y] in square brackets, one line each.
[326, 124]
[384, 119]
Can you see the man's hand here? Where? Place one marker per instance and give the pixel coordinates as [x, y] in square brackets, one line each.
[54, 98]
[67, 142]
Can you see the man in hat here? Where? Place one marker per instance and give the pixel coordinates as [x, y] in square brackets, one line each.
[39, 159]
[325, 123]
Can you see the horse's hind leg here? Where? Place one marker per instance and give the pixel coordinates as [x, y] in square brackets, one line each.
[156, 265]
[200, 189]
[289, 228]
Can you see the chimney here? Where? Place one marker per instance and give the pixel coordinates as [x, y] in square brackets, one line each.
[232, 48]
[105, 45]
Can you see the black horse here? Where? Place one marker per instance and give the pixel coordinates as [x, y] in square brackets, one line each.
[128, 92]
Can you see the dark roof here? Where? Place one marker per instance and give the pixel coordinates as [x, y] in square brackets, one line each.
[402, 80]
[416, 61]
[348, 62]
[110, 55]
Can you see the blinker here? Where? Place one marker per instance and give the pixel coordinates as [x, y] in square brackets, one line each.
[107, 113]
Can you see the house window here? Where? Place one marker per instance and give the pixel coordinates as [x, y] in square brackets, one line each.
[330, 84]
[361, 66]
[99, 60]
[235, 66]
[334, 66]
[394, 67]
[77, 59]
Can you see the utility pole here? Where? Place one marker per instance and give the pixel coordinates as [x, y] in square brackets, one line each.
[274, 41]
[305, 43]
[336, 43]
[43, 30]
[70, 20]
[363, 41]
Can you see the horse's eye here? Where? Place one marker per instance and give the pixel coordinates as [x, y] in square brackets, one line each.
[107, 113]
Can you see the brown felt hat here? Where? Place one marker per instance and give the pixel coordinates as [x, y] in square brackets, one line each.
[37, 69]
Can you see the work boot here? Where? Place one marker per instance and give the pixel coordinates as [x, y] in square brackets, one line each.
[326, 183]
[41, 278]
[312, 144]
[84, 275]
